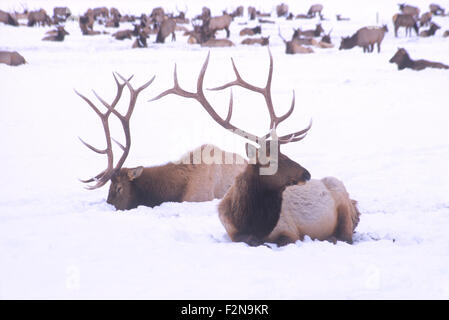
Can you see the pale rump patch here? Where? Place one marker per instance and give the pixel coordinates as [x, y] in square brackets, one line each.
[316, 209]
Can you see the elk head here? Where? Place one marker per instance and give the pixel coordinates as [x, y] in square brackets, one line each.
[120, 191]
[267, 164]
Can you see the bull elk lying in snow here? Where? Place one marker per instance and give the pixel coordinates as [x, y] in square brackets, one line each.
[251, 31]
[194, 178]
[315, 9]
[295, 45]
[283, 206]
[263, 41]
[403, 60]
[431, 31]
[11, 58]
[366, 38]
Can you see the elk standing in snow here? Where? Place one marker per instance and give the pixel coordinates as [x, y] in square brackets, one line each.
[407, 21]
[408, 9]
[215, 24]
[366, 38]
[166, 28]
[314, 9]
[284, 206]
[39, 18]
[195, 178]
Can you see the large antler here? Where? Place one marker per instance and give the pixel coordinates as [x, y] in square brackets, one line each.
[103, 177]
[199, 96]
[225, 123]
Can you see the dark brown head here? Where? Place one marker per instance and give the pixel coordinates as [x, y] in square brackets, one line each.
[400, 58]
[265, 41]
[122, 192]
[276, 171]
[348, 42]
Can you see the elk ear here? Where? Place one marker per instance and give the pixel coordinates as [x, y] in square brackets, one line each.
[134, 173]
[251, 151]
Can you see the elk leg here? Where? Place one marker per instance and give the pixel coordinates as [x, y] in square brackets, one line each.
[228, 33]
[284, 240]
[250, 240]
[345, 225]
[173, 36]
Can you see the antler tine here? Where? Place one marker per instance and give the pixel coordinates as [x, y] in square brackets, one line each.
[103, 177]
[265, 92]
[176, 88]
[296, 136]
[108, 149]
[125, 119]
[200, 97]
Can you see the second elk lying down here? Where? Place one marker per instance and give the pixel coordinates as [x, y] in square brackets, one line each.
[283, 206]
[193, 178]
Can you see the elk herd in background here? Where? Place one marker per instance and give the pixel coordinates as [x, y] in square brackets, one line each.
[205, 27]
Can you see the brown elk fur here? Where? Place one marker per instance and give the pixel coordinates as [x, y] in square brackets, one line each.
[446, 34]
[407, 21]
[263, 41]
[59, 36]
[309, 33]
[250, 31]
[295, 45]
[403, 60]
[282, 10]
[217, 43]
[11, 58]
[431, 31]
[175, 182]
[219, 23]
[315, 9]
[123, 34]
[366, 38]
[425, 19]
[60, 14]
[436, 9]
[166, 28]
[39, 18]
[8, 18]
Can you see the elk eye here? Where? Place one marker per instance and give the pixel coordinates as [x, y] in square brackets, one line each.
[119, 189]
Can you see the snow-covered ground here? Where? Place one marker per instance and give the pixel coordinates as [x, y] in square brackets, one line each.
[383, 132]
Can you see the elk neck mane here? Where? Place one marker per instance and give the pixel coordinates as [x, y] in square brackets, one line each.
[253, 209]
